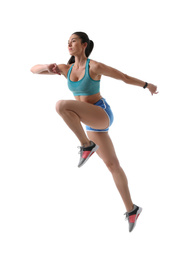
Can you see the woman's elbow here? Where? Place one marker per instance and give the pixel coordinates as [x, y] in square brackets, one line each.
[126, 78]
[32, 70]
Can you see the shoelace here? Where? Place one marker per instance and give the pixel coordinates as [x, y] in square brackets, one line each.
[80, 147]
[126, 216]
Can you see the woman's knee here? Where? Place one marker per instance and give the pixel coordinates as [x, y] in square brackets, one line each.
[113, 165]
[61, 105]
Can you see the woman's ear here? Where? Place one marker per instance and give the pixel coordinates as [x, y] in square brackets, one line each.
[85, 44]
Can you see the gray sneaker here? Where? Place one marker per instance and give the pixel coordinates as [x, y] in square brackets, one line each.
[86, 152]
[133, 216]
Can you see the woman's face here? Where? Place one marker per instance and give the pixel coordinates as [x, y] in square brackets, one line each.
[75, 45]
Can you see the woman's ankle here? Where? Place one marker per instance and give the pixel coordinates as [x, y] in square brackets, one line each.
[86, 144]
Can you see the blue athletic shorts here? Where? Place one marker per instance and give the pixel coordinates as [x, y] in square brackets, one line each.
[102, 103]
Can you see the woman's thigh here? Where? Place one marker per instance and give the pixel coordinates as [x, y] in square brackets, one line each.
[89, 114]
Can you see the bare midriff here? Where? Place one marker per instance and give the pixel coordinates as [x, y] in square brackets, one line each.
[92, 99]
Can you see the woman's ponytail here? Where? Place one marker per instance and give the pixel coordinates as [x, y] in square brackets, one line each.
[71, 60]
[89, 48]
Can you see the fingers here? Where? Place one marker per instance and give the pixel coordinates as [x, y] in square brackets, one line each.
[55, 69]
[153, 89]
[156, 92]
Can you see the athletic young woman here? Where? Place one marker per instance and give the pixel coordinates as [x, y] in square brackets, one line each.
[83, 76]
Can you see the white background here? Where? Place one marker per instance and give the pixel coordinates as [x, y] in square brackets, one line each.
[49, 208]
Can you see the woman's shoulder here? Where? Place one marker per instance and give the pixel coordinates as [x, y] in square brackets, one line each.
[64, 68]
[94, 67]
[94, 64]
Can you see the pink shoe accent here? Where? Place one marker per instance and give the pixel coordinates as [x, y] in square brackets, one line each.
[85, 154]
[132, 218]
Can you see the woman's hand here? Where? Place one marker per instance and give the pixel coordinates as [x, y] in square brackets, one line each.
[152, 88]
[53, 68]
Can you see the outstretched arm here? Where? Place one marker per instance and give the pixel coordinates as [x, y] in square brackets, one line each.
[102, 69]
[50, 69]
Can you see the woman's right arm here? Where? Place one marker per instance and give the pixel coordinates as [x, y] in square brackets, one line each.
[50, 69]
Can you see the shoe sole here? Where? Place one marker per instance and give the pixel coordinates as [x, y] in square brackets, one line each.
[92, 152]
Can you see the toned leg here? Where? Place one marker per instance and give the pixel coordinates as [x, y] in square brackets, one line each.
[74, 112]
[107, 153]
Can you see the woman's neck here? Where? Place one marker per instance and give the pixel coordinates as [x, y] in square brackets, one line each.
[80, 61]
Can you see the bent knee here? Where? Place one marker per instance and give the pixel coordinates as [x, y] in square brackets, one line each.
[61, 105]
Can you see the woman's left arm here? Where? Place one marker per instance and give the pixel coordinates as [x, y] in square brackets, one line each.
[102, 69]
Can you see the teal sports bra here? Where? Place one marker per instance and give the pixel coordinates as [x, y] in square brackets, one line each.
[84, 87]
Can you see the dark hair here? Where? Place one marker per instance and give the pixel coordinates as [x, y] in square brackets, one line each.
[84, 37]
